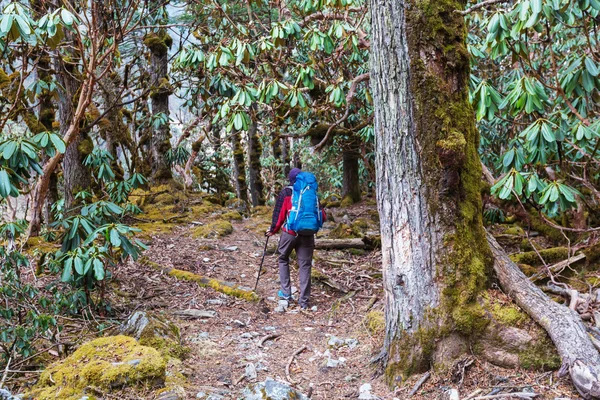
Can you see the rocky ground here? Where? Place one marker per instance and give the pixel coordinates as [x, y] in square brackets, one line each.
[235, 348]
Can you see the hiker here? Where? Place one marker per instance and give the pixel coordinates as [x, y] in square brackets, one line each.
[299, 215]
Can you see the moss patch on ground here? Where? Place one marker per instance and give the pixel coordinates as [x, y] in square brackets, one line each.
[374, 321]
[107, 363]
[213, 230]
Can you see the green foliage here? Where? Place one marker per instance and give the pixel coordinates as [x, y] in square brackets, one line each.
[535, 86]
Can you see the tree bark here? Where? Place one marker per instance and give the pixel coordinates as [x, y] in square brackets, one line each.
[254, 155]
[76, 175]
[435, 256]
[563, 325]
[351, 178]
[239, 167]
[159, 44]
[41, 188]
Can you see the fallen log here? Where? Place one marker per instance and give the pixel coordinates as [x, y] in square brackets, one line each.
[577, 352]
[339, 244]
[228, 288]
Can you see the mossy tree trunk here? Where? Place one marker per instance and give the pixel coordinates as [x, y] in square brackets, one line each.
[254, 171]
[436, 258]
[112, 127]
[159, 44]
[239, 167]
[351, 178]
[76, 175]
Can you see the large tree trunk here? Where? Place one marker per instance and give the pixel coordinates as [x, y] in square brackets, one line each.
[239, 167]
[563, 325]
[435, 255]
[351, 178]
[159, 44]
[254, 156]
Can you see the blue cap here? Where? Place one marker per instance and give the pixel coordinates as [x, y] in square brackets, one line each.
[293, 174]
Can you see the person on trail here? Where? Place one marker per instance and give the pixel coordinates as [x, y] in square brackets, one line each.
[299, 215]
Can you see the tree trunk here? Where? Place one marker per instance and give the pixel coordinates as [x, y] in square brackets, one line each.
[254, 156]
[435, 256]
[159, 44]
[351, 179]
[239, 167]
[285, 156]
[76, 175]
[41, 188]
[563, 325]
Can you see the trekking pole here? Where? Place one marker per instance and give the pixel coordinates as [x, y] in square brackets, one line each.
[261, 263]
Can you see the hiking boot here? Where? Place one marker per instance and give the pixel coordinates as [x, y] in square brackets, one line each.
[284, 296]
[304, 307]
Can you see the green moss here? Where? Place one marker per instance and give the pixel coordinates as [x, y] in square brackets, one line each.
[527, 269]
[215, 229]
[345, 231]
[164, 336]
[550, 256]
[360, 223]
[345, 203]
[508, 314]
[232, 216]
[375, 322]
[165, 199]
[356, 252]
[106, 363]
[540, 356]
[159, 43]
[515, 230]
[470, 319]
[526, 245]
[538, 224]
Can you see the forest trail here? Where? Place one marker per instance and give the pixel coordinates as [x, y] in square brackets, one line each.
[231, 350]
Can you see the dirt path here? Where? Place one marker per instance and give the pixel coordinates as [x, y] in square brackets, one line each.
[340, 338]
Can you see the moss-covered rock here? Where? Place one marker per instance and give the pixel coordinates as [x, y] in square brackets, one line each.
[232, 216]
[345, 231]
[107, 363]
[213, 230]
[155, 330]
[515, 230]
[551, 255]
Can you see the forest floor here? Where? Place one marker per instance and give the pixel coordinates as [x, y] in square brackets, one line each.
[327, 352]
[226, 352]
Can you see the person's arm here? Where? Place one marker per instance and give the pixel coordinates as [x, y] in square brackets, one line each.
[277, 210]
[285, 209]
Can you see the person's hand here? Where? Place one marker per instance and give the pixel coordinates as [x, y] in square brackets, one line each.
[269, 233]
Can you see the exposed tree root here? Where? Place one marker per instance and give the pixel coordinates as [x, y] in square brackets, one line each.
[228, 288]
[579, 356]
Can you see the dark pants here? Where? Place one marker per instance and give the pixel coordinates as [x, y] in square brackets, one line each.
[304, 246]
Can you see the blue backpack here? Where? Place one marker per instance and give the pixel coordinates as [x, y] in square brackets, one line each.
[305, 217]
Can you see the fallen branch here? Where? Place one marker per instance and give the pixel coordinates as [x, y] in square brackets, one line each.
[419, 383]
[480, 5]
[287, 367]
[272, 336]
[579, 356]
[519, 395]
